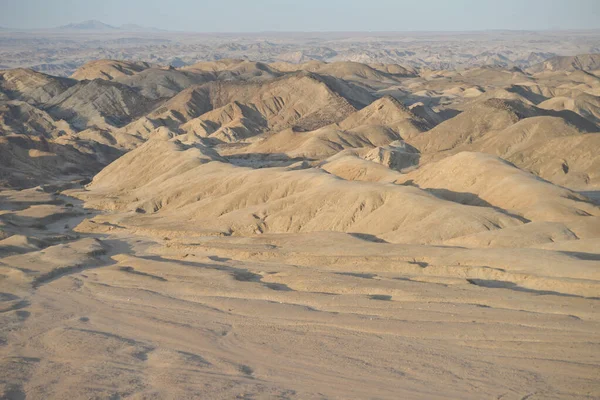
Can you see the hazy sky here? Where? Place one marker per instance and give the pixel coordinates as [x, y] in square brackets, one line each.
[308, 15]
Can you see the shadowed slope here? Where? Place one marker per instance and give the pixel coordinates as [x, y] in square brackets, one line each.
[215, 197]
[109, 69]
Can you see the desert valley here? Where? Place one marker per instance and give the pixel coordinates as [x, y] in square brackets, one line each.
[289, 227]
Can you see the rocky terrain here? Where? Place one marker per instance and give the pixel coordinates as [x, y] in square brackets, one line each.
[62, 50]
[300, 229]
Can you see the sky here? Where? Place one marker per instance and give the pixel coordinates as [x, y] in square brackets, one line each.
[308, 15]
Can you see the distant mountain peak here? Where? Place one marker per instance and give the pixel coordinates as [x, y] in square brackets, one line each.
[138, 28]
[95, 25]
[90, 25]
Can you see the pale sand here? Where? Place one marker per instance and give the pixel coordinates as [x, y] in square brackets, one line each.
[313, 231]
[316, 315]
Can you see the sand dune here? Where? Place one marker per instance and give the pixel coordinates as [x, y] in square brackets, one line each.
[235, 69]
[584, 62]
[160, 83]
[109, 69]
[473, 123]
[578, 167]
[370, 76]
[17, 117]
[459, 178]
[98, 102]
[586, 105]
[273, 200]
[378, 124]
[27, 85]
[241, 229]
[301, 100]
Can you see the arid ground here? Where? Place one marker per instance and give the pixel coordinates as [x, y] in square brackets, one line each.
[238, 229]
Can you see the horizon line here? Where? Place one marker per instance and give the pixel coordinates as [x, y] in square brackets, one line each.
[155, 30]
